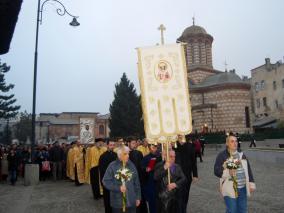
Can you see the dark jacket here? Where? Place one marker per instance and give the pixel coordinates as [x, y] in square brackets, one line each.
[105, 159]
[185, 157]
[148, 177]
[12, 162]
[136, 157]
[26, 157]
[133, 192]
[221, 158]
[56, 154]
[169, 200]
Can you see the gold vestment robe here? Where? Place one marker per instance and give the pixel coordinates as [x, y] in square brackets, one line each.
[70, 164]
[145, 150]
[79, 162]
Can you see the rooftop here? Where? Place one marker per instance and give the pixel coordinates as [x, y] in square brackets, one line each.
[222, 78]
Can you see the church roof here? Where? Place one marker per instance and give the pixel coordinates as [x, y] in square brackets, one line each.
[194, 29]
[220, 79]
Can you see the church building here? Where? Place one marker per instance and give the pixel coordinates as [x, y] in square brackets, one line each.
[220, 100]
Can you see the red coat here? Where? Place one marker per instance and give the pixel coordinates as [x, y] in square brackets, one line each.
[197, 146]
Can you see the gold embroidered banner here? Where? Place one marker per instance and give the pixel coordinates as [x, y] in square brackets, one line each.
[164, 91]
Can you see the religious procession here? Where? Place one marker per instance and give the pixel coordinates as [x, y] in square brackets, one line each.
[130, 174]
[151, 175]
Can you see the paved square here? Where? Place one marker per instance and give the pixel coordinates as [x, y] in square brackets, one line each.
[65, 197]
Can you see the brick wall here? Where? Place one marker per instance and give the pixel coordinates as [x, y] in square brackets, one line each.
[229, 114]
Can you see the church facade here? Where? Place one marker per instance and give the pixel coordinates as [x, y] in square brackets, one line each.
[220, 100]
[65, 126]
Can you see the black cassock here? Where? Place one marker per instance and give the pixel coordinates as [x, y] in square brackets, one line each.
[169, 201]
[104, 161]
[185, 157]
[136, 157]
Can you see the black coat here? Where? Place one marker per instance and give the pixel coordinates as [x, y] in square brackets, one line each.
[12, 162]
[168, 201]
[105, 159]
[56, 154]
[136, 157]
[185, 157]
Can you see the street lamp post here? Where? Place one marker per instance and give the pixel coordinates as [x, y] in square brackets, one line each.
[60, 11]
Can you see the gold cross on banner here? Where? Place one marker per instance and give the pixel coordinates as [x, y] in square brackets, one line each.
[162, 29]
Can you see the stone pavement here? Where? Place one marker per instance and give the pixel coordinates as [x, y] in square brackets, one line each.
[64, 197]
[268, 198]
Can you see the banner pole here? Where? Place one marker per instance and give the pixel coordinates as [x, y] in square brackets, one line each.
[169, 176]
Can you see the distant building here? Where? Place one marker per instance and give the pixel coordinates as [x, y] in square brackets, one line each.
[267, 83]
[66, 126]
[220, 100]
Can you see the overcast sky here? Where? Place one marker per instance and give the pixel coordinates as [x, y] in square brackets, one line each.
[78, 67]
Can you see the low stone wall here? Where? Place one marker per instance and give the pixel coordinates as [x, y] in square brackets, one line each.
[31, 174]
[266, 155]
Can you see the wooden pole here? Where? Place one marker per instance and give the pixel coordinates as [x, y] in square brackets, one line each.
[163, 157]
[167, 160]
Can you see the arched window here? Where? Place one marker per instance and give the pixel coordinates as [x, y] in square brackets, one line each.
[247, 117]
[101, 129]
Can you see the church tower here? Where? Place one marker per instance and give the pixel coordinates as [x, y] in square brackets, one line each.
[198, 48]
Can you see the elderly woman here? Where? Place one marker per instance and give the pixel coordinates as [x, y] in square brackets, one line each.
[119, 190]
[236, 179]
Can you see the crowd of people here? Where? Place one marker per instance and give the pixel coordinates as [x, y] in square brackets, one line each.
[132, 175]
[157, 184]
[50, 158]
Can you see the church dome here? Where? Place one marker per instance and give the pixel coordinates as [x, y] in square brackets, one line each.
[194, 29]
[221, 79]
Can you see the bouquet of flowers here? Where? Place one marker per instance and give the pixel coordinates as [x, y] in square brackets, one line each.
[232, 163]
[123, 175]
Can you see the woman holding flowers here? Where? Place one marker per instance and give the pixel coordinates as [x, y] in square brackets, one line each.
[121, 179]
[236, 179]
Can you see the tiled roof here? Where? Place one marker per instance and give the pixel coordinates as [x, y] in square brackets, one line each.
[219, 79]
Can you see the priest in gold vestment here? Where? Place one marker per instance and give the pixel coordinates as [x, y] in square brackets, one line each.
[93, 154]
[70, 162]
[144, 148]
[79, 164]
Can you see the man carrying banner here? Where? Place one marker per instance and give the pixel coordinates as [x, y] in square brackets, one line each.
[169, 191]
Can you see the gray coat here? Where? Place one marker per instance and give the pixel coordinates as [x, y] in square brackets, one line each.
[133, 192]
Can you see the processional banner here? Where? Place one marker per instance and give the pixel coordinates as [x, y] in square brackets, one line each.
[87, 130]
[164, 91]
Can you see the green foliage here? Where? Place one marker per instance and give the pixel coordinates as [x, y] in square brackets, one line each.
[7, 108]
[6, 135]
[24, 127]
[125, 111]
[280, 124]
